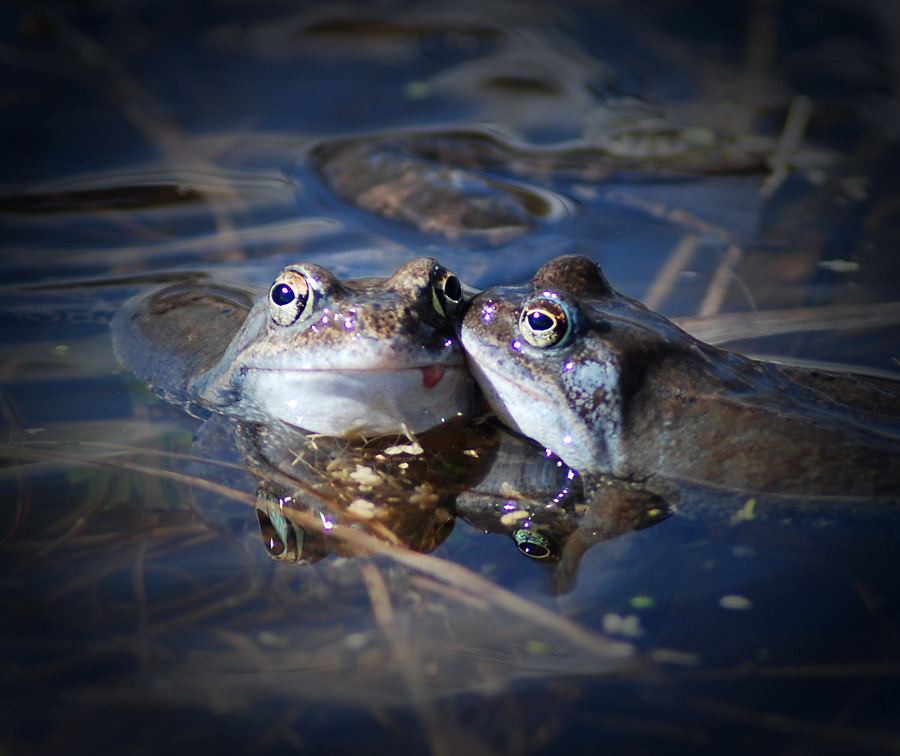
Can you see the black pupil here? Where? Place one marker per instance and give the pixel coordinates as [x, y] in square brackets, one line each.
[540, 321]
[534, 550]
[452, 289]
[282, 295]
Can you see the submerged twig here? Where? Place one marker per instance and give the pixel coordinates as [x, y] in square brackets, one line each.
[406, 659]
[665, 280]
[31, 452]
[142, 638]
[463, 578]
[446, 572]
[721, 280]
[833, 734]
[791, 137]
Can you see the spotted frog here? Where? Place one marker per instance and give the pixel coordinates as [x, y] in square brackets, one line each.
[362, 357]
[614, 388]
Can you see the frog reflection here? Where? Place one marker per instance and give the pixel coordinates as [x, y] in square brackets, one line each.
[287, 540]
[410, 493]
[398, 490]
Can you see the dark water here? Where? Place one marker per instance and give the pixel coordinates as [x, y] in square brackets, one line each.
[150, 142]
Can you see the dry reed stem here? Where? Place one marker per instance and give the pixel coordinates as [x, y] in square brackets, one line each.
[446, 572]
[680, 257]
[720, 328]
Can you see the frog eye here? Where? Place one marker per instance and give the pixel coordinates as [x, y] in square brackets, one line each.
[289, 298]
[535, 546]
[544, 323]
[446, 292]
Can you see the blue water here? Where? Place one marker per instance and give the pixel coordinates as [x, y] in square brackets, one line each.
[153, 141]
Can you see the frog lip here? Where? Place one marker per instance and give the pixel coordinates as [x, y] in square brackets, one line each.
[480, 357]
[359, 355]
[369, 357]
[495, 373]
[378, 368]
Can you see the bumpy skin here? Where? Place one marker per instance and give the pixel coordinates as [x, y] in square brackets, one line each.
[361, 357]
[627, 392]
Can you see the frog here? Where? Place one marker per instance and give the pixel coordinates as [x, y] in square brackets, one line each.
[357, 357]
[614, 388]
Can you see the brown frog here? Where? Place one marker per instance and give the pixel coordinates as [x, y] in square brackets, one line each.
[362, 357]
[612, 387]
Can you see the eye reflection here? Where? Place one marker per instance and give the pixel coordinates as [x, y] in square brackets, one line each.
[536, 546]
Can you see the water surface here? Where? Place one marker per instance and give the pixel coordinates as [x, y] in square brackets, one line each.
[158, 143]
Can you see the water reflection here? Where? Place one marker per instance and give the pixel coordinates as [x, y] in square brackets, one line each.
[410, 493]
[463, 185]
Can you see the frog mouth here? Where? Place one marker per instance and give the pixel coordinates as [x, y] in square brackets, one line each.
[493, 376]
[367, 401]
[432, 374]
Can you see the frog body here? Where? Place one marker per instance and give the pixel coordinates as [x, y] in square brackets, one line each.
[614, 388]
